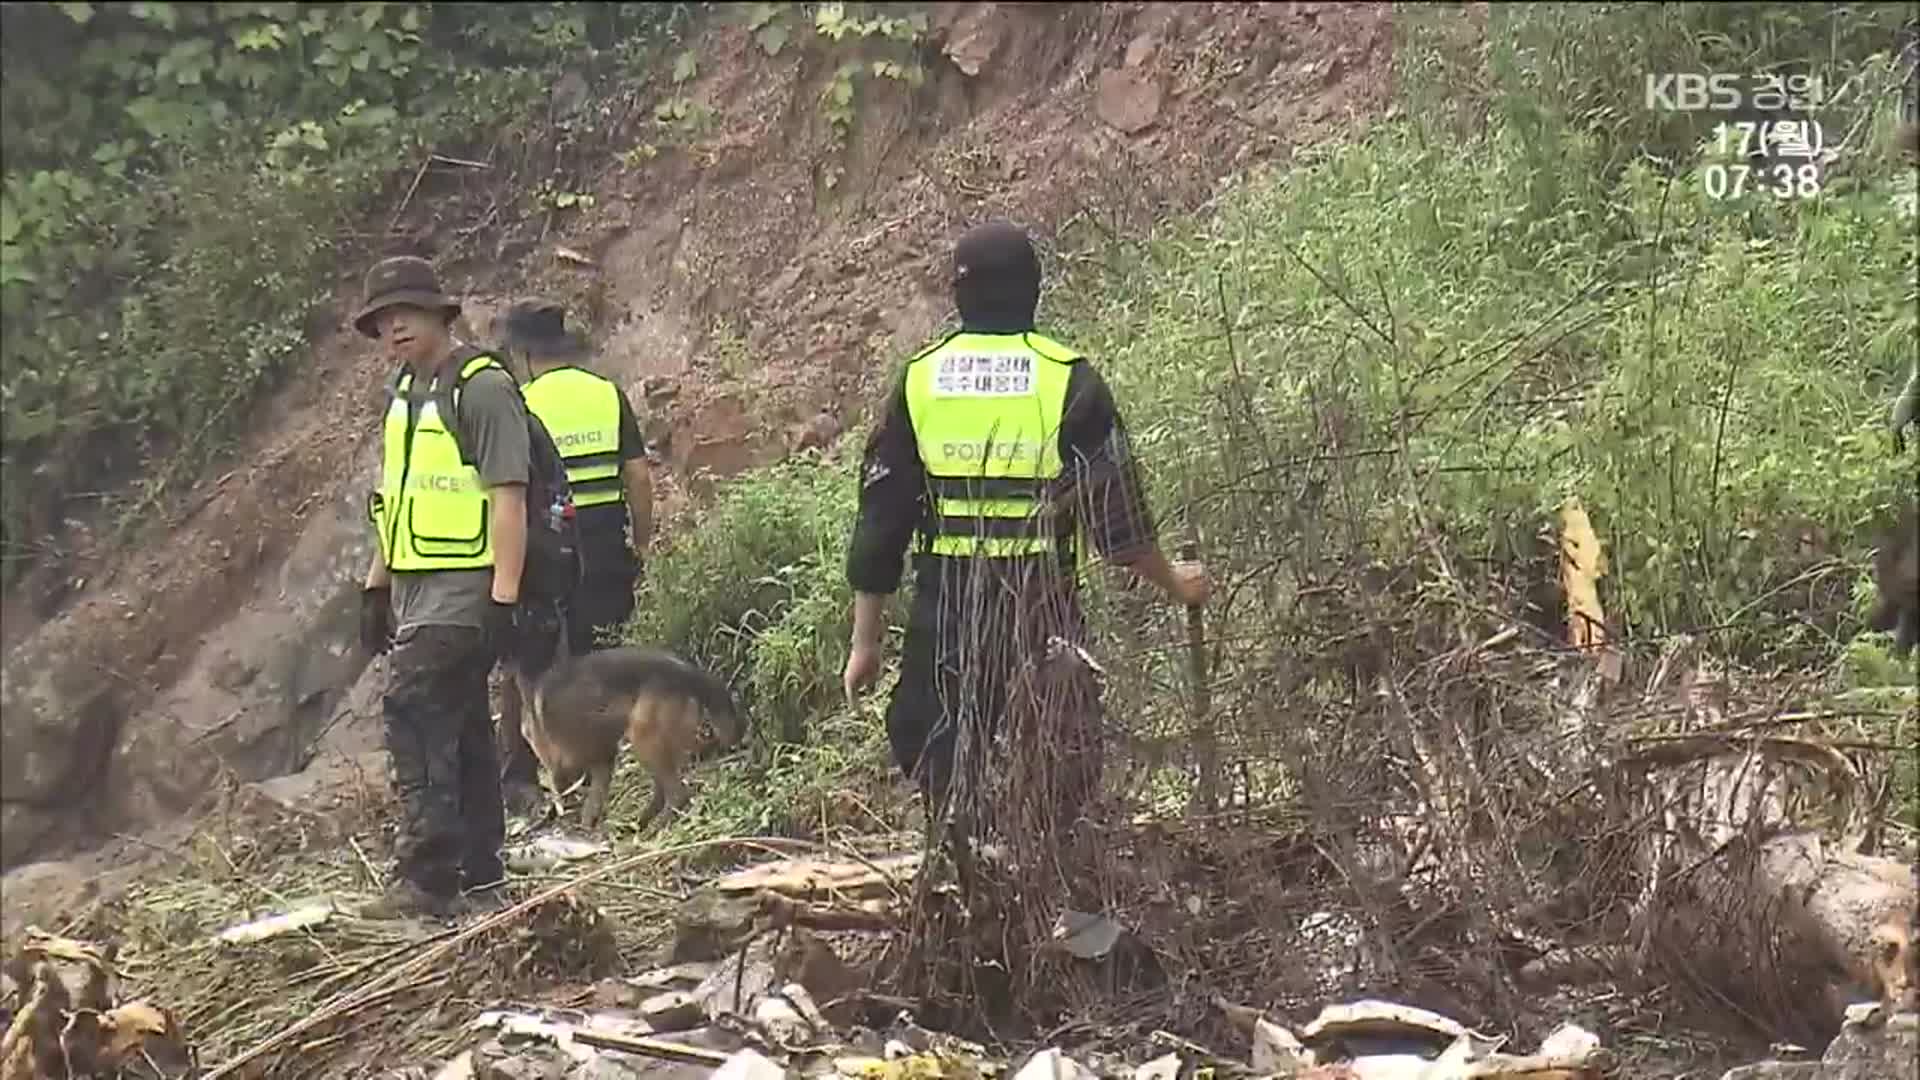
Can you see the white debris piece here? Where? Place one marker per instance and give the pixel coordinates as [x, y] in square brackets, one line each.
[1571, 1041]
[1052, 1064]
[273, 926]
[1275, 1050]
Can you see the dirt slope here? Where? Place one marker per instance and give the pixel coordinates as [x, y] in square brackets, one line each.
[745, 305]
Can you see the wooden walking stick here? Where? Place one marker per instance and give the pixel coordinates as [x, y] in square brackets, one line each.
[1205, 794]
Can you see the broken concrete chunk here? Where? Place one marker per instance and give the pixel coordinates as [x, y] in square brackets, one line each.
[1275, 1050]
[748, 1065]
[1088, 937]
[674, 1010]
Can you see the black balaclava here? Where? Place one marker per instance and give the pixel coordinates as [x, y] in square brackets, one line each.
[996, 279]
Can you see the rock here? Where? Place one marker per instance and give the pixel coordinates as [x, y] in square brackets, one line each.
[1126, 100]
[1859, 1052]
[736, 986]
[675, 977]
[1275, 1050]
[972, 41]
[1569, 1040]
[1085, 936]
[1140, 50]
[747, 1065]
[781, 1023]
[672, 1011]
[1052, 1064]
[1890, 1049]
[710, 925]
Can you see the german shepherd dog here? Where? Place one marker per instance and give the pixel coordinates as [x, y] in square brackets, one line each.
[575, 713]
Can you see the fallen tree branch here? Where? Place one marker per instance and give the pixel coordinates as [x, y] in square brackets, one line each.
[352, 1001]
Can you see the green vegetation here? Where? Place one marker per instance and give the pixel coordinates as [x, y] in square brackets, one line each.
[180, 189]
[1425, 341]
[757, 592]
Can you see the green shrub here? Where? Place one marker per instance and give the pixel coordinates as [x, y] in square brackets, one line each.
[1414, 328]
[755, 588]
[178, 184]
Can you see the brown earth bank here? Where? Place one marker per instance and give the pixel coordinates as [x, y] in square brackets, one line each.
[745, 303]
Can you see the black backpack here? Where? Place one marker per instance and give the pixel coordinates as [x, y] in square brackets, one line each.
[553, 567]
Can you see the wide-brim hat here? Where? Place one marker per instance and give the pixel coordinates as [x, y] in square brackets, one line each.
[539, 326]
[404, 279]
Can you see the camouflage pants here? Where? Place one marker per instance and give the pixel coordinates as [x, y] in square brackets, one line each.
[440, 742]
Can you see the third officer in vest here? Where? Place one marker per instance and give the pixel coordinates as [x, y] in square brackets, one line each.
[986, 427]
[598, 435]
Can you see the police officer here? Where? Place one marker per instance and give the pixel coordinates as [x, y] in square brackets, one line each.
[594, 426]
[1002, 452]
[450, 519]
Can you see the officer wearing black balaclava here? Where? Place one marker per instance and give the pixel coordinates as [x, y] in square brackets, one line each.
[1000, 455]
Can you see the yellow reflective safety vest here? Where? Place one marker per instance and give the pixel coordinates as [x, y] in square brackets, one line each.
[582, 412]
[431, 511]
[986, 412]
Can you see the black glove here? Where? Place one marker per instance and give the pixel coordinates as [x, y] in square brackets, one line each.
[376, 619]
[499, 628]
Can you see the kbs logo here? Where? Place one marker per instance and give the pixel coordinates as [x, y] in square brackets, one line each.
[1692, 91]
[1723, 91]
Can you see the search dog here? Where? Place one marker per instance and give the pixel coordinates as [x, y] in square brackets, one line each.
[575, 714]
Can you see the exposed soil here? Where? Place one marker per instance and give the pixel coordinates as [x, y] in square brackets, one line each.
[746, 307]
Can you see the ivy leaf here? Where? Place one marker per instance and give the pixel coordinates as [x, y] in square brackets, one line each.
[760, 15]
[266, 35]
[161, 14]
[685, 67]
[9, 224]
[772, 38]
[79, 12]
[831, 20]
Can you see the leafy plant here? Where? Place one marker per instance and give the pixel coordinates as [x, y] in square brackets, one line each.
[124, 340]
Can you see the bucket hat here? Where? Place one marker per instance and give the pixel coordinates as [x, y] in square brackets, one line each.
[403, 279]
[538, 325]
